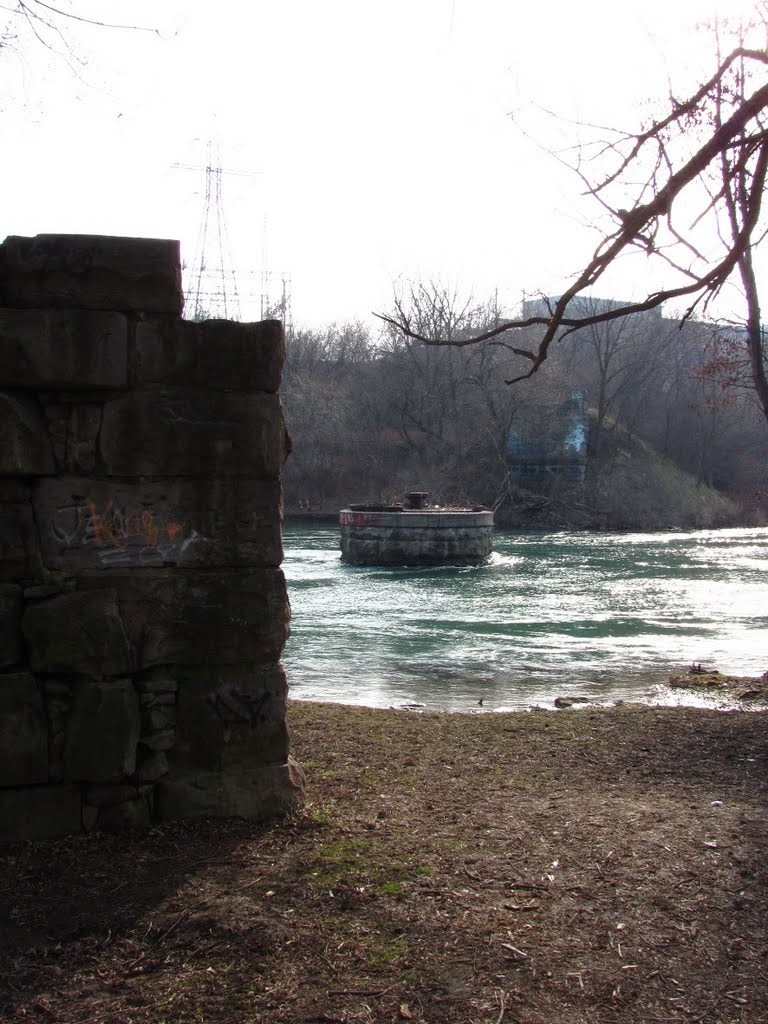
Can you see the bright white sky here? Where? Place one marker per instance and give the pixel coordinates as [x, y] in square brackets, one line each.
[381, 131]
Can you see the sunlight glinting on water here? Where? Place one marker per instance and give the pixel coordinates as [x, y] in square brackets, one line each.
[607, 616]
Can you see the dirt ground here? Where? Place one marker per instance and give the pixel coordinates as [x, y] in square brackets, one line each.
[562, 867]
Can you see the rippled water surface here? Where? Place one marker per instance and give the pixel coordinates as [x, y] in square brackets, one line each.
[606, 616]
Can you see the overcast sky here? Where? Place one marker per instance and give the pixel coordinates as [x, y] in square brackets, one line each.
[372, 139]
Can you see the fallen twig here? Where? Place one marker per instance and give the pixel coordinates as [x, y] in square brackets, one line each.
[361, 991]
[502, 1006]
[519, 954]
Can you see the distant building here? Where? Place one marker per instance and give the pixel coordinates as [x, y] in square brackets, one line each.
[581, 305]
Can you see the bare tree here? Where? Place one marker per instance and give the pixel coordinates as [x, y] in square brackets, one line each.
[449, 403]
[709, 151]
[613, 360]
[49, 25]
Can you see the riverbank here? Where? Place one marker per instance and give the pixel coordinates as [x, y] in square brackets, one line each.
[593, 865]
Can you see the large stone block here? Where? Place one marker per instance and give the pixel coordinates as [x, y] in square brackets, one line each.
[58, 704]
[23, 731]
[102, 731]
[260, 794]
[87, 524]
[81, 632]
[10, 624]
[129, 816]
[108, 795]
[199, 617]
[230, 718]
[163, 431]
[19, 552]
[91, 272]
[62, 349]
[211, 354]
[74, 428]
[25, 448]
[153, 764]
[39, 812]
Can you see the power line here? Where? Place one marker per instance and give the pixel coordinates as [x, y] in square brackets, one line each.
[275, 291]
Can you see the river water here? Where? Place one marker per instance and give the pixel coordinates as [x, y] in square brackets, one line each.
[605, 616]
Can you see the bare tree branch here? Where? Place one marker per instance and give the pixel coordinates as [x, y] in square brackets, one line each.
[30, 10]
[716, 134]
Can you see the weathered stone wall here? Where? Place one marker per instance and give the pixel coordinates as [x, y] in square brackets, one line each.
[142, 607]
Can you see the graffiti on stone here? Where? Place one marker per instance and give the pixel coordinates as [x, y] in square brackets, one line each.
[240, 707]
[122, 534]
[575, 441]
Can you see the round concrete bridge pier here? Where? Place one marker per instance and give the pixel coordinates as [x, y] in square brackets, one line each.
[398, 535]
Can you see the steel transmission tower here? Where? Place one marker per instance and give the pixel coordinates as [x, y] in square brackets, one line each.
[276, 298]
[211, 281]
[211, 290]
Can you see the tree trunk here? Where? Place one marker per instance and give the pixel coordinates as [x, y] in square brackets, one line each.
[754, 330]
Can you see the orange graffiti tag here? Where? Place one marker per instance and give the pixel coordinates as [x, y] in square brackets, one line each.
[173, 530]
[116, 527]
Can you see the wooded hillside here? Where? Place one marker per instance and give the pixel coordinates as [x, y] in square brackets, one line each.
[372, 417]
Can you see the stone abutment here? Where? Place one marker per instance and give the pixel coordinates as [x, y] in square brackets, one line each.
[143, 606]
